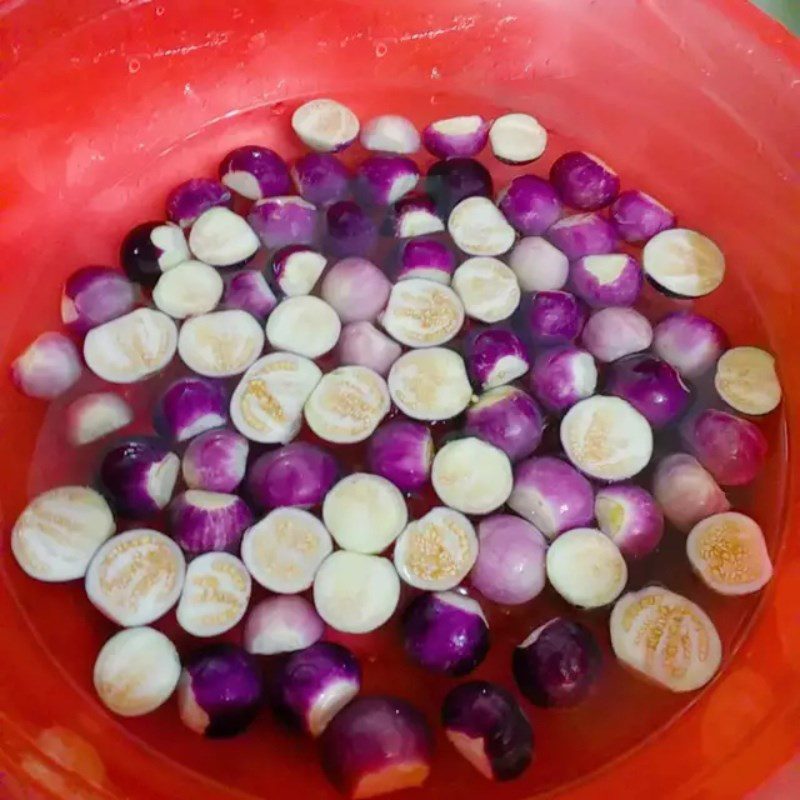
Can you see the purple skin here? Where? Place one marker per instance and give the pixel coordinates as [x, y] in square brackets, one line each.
[445, 632]
[509, 419]
[414, 215]
[362, 344]
[376, 735]
[486, 725]
[562, 376]
[690, 342]
[94, 295]
[312, 685]
[732, 449]
[630, 517]
[216, 461]
[249, 291]
[255, 172]
[283, 221]
[140, 257]
[554, 318]
[651, 386]
[297, 474]
[510, 568]
[623, 290]
[639, 217]
[190, 406]
[351, 231]
[455, 145]
[204, 522]
[613, 333]
[552, 495]
[49, 366]
[583, 235]
[356, 289]
[426, 258]
[282, 624]
[583, 181]
[558, 664]
[402, 452]
[496, 356]
[188, 200]
[449, 182]
[384, 179]
[530, 204]
[220, 691]
[321, 178]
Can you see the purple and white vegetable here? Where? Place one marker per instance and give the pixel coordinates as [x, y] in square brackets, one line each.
[488, 289]
[390, 133]
[186, 290]
[517, 138]
[638, 216]
[356, 289]
[496, 356]
[613, 279]
[558, 664]
[683, 263]
[583, 181]
[255, 172]
[511, 560]
[321, 178]
[377, 745]
[311, 686]
[530, 204]
[415, 215]
[220, 691]
[507, 418]
[422, 313]
[554, 318]
[283, 221]
[686, 492]
[747, 381]
[562, 376]
[445, 632]
[47, 368]
[249, 291]
[220, 344]
[538, 265]
[382, 180]
[188, 200]
[222, 239]
[479, 228]
[152, 248]
[202, 522]
[630, 517]
[583, 235]
[485, 724]
[297, 269]
[612, 333]
[190, 406]
[138, 476]
[94, 295]
[325, 125]
[95, 415]
[456, 137]
[451, 181]
[351, 231]
[402, 452]
[304, 325]
[690, 342]
[362, 344]
[282, 624]
[426, 258]
[732, 449]
[552, 495]
[215, 461]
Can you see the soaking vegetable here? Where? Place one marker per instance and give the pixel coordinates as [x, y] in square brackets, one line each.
[667, 638]
[95, 415]
[390, 133]
[517, 138]
[510, 568]
[215, 461]
[282, 624]
[558, 664]
[538, 265]
[554, 318]
[479, 228]
[351, 231]
[612, 333]
[496, 356]
[188, 200]
[402, 452]
[152, 248]
[356, 593]
[284, 550]
[583, 235]
[584, 181]
[422, 313]
[313, 685]
[284, 221]
[456, 137]
[683, 262]
[297, 269]
[638, 216]
[561, 376]
[304, 325]
[488, 289]
[186, 290]
[613, 279]
[356, 289]
[530, 204]
[325, 125]
[136, 672]
[377, 745]
[190, 406]
[48, 367]
[747, 381]
[630, 517]
[485, 724]
[451, 181]
[586, 568]
[220, 691]
[201, 522]
[249, 291]
[446, 632]
[415, 215]
[690, 342]
[426, 258]
[60, 530]
[383, 179]
[94, 295]
[321, 178]
[222, 239]
[361, 344]
[255, 172]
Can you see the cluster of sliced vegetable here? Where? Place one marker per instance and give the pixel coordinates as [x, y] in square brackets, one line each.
[504, 318]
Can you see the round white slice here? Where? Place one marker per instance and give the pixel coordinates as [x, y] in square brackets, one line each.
[136, 577]
[607, 438]
[436, 552]
[356, 593]
[267, 404]
[221, 343]
[667, 638]
[472, 476]
[215, 594]
[488, 289]
[729, 553]
[747, 381]
[222, 238]
[131, 347]
[170, 239]
[304, 325]
[684, 262]
[187, 289]
[364, 513]
[301, 271]
[347, 405]
[422, 313]
[56, 536]
[136, 672]
[479, 228]
[430, 384]
[284, 550]
[325, 125]
[517, 138]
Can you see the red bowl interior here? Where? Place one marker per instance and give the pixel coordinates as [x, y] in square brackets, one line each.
[105, 105]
